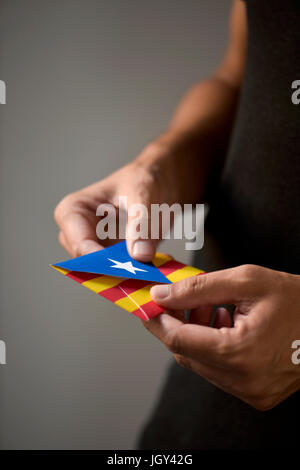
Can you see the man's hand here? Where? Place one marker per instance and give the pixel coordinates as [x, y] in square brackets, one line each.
[251, 360]
[153, 177]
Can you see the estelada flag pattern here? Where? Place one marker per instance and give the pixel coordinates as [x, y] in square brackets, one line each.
[133, 295]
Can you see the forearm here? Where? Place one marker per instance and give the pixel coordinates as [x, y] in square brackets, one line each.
[193, 148]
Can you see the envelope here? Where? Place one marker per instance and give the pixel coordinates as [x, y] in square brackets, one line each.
[113, 274]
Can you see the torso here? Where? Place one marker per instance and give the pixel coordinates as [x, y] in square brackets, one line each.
[255, 214]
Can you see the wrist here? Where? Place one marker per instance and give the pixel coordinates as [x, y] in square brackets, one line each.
[157, 160]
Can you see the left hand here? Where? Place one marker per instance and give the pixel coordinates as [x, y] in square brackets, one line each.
[251, 360]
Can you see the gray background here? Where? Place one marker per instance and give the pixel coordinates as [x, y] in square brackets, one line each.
[88, 84]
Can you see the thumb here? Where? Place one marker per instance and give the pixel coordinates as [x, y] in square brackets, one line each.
[219, 287]
[138, 231]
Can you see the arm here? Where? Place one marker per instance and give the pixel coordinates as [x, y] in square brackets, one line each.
[199, 132]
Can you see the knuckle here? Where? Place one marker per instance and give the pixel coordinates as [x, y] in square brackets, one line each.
[248, 272]
[190, 285]
[193, 284]
[225, 344]
[251, 279]
[60, 208]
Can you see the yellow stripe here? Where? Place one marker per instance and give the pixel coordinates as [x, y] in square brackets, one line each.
[182, 273]
[102, 283]
[60, 270]
[160, 259]
[141, 296]
[127, 304]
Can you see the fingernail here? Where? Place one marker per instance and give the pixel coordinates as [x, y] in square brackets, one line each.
[143, 248]
[160, 292]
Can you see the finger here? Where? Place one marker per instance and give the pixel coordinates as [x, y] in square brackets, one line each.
[222, 318]
[219, 287]
[79, 234]
[86, 247]
[212, 373]
[167, 322]
[178, 314]
[138, 232]
[219, 377]
[160, 325]
[201, 315]
[194, 341]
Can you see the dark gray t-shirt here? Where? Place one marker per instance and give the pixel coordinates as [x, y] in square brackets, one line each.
[255, 213]
[254, 218]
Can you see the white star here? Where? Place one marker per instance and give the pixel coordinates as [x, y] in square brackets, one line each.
[128, 266]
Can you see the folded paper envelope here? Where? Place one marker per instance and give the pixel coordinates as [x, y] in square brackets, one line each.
[113, 274]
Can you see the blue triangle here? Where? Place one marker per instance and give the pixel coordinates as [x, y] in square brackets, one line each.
[107, 261]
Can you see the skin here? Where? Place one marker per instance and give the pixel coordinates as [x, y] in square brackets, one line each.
[252, 360]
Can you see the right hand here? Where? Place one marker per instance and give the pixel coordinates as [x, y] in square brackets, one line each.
[148, 179]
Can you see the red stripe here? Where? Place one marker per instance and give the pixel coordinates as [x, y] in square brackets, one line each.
[81, 277]
[112, 293]
[170, 267]
[131, 285]
[150, 308]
